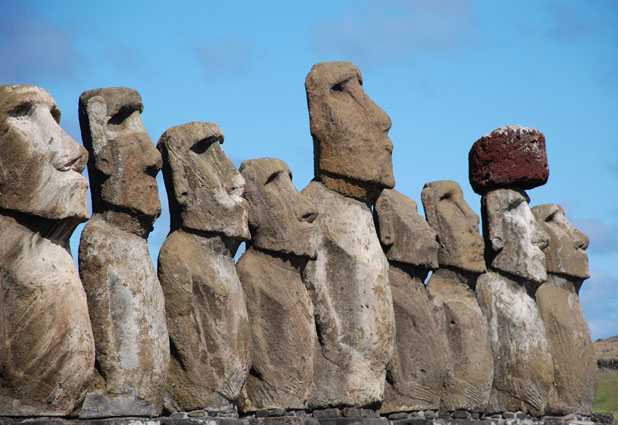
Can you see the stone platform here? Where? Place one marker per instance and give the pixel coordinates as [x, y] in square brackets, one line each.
[348, 416]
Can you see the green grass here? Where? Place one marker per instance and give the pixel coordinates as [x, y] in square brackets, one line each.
[607, 395]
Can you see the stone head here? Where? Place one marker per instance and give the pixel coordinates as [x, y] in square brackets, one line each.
[457, 226]
[350, 132]
[123, 160]
[280, 218]
[404, 234]
[514, 241]
[204, 188]
[566, 253]
[40, 165]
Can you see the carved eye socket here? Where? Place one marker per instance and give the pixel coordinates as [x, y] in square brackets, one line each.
[338, 86]
[272, 177]
[119, 117]
[202, 145]
[21, 110]
[447, 195]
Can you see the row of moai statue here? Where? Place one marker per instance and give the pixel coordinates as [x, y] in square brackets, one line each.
[327, 307]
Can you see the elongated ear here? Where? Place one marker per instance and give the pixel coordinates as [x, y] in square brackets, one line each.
[495, 211]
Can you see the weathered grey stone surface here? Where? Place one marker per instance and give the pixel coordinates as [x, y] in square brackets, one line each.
[205, 305]
[404, 234]
[204, 188]
[457, 226]
[352, 151]
[565, 254]
[123, 162]
[469, 372]
[46, 343]
[125, 299]
[514, 242]
[416, 371]
[280, 219]
[282, 331]
[283, 239]
[568, 334]
[523, 368]
[207, 322]
[348, 284]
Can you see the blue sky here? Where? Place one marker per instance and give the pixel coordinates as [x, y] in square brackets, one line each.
[446, 72]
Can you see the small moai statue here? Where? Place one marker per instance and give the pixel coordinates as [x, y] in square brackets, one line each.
[46, 342]
[125, 299]
[416, 372]
[283, 240]
[348, 281]
[205, 306]
[502, 163]
[470, 372]
[568, 334]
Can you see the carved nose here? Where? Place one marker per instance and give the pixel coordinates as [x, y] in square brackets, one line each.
[68, 155]
[306, 213]
[581, 240]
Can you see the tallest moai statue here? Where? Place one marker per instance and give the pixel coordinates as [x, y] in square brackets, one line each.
[46, 344]
[349, 280]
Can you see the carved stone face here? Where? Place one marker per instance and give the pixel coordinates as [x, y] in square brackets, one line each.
[124, 159]
[206, 188]
[279, 217]
[566, 252]
[350, 132]
[513, 235]
[40, 165]
[461, 244]
[404, 234]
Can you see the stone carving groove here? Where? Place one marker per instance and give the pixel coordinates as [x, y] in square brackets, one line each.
[326, 312]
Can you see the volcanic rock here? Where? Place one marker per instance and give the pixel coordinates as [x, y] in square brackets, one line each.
[205, 303]
[348, 284]
[416, 371]
[523, 368]
[352, 151]
[457, 226]
[510, 156]
[46, 342]
[125, 300]
[204, 188]
[283, 239]
[568, 334]
[514, 241]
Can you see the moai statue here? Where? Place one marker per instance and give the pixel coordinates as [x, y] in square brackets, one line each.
[416, 372]
[283, 335]
[46, 343]
[568, 334]
[206, 313]
[348, 282]
[470, 372]
[125, 300]
[523, 368]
